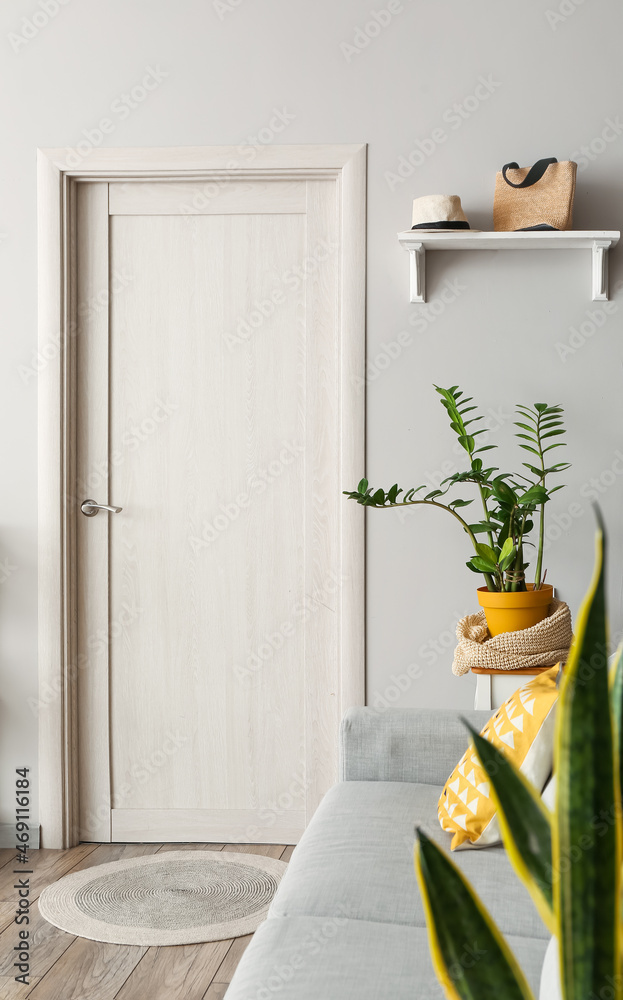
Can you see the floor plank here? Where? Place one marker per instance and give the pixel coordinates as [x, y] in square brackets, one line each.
[67, 968]
[47, 944]
[225, 972]
[175, 973]
[48, 865]
[287, 854]
[7, 912]
[266, 850]
[216, 991]
[88, 969]
[191, 847]
[7, 854]
[10, 990]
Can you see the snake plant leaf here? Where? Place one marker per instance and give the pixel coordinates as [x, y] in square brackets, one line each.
[616, 700]
[586, 837]
[455, 916]
[524, 824]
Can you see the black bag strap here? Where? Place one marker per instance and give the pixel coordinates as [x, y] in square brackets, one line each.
[534, 174]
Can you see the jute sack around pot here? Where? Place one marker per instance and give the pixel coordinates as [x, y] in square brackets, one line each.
[537, 197]
[543, 645]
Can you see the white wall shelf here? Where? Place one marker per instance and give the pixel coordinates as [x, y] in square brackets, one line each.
[597, 242]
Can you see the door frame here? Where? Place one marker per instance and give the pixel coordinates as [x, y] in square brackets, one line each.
[58, 173]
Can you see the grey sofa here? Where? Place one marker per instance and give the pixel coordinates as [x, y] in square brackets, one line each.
[347, 921]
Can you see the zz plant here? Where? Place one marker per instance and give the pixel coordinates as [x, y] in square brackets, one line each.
[509, 502]
[570, 861]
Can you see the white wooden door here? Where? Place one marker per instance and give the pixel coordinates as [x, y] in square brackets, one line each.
[208, 409]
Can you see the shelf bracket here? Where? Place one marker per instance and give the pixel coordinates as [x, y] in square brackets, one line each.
[600, 270]
[417, 272]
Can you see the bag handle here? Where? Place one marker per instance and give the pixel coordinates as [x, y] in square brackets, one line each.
[534, 174]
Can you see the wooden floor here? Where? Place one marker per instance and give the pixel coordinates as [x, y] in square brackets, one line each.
[64, 967]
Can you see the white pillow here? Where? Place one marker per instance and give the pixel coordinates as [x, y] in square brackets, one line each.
[550, 974]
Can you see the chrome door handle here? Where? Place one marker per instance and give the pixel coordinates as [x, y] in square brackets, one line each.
[90, 508]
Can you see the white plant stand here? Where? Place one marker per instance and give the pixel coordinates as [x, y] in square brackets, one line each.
[598, 242]
[494, 687]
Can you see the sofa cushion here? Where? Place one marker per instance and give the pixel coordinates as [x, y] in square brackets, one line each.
[523, 728]
[330, 958]
[356, 860]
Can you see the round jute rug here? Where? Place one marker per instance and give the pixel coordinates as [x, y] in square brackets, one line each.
[179, 897]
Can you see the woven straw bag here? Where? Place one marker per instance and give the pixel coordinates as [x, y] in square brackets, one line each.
[537, 197]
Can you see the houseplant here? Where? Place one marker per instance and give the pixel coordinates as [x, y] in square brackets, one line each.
[509, 505]
[570, 861]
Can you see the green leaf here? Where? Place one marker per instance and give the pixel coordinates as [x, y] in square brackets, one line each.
[536, 494]
[476, 569]
[467, 442]
[527, 413]
[541, 407]
[433, 494]
[524, 823]
[487, 552]
[528, 428]
[533, 469]
[480, 565]
[503, 492]
[527, 447]
[455, 915]
[507, 548]
[393, 493]
[551, 434]
[379, 497]
[460, 503]
[507, 554]
[587, 858]
[363, 485]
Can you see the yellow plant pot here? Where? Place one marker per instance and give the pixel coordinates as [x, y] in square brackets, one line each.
[513, 612]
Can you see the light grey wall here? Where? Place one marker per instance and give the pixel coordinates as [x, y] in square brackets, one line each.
[554, 77]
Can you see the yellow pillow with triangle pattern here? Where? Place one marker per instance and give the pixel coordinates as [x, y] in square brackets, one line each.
[524, 729]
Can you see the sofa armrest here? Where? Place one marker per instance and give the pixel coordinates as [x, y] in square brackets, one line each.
[414, 744]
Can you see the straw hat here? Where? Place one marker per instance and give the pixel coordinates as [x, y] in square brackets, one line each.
[435, 212]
